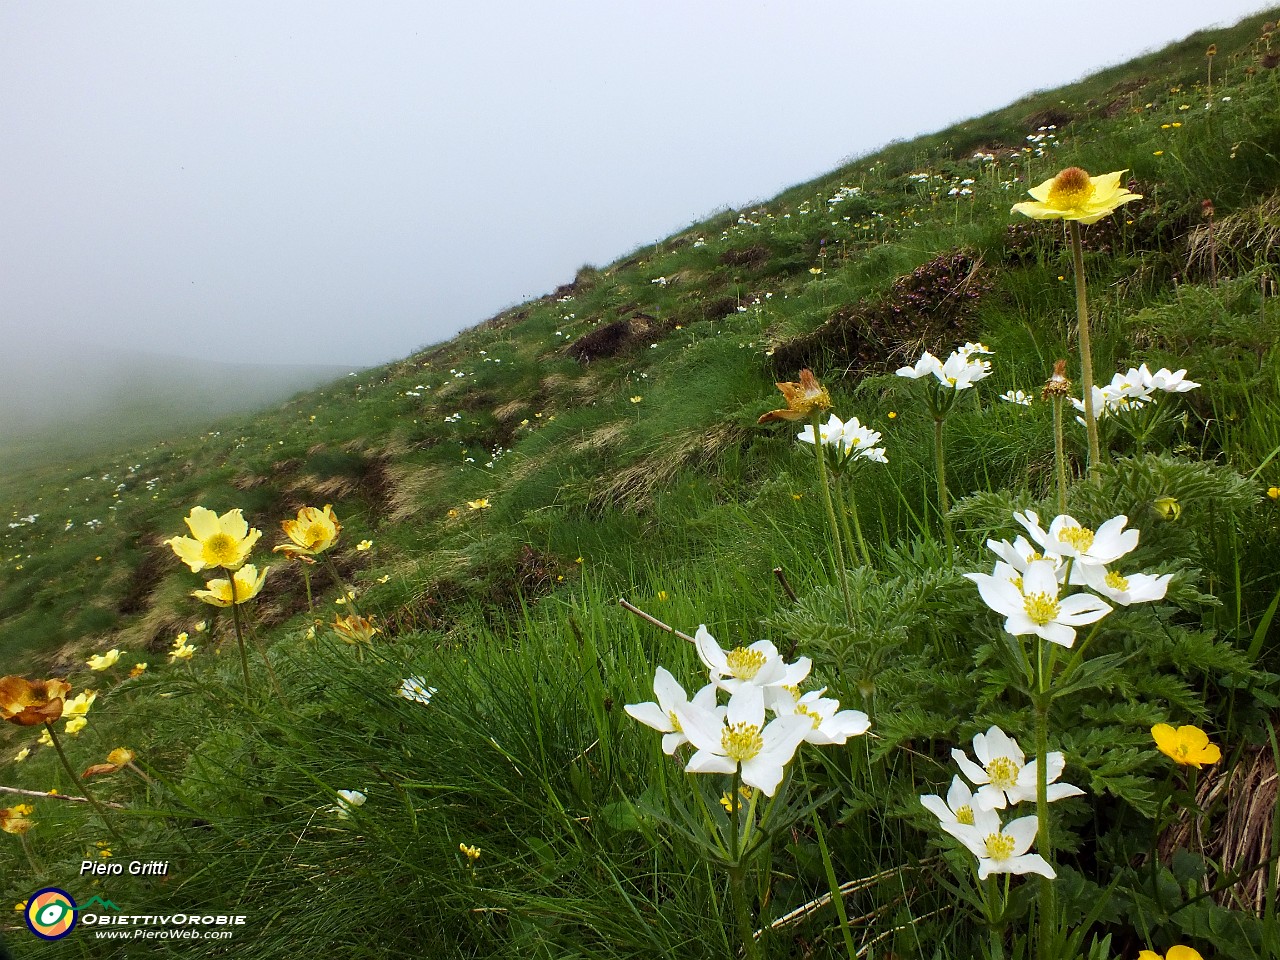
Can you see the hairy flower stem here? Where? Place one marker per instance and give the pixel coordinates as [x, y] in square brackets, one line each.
[306, 579]
[1046, 934]
[841, 573]
[1059, 455]
[235, 619]
[944, 502]
[738, 870]
[76, 781]
[1086, 348]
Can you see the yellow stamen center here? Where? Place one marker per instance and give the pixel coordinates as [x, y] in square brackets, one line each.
[743, 663]
[675, 722]
[219, 550]
[1071, 189]
[999, 846]
[965, 815]
[316, 533]
[741, 741]
[1040, 608]
[811, 714]
[1016, 580]
[1081, 538]
[1003, 772]
[1117, 582]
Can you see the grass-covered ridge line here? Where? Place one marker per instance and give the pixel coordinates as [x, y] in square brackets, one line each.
[603, 440]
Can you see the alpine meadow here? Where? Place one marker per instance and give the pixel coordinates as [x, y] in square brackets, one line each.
[886, 570]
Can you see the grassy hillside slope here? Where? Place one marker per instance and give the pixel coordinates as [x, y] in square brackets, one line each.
[500, 491]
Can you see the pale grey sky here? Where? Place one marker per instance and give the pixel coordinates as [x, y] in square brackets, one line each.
[342, 182]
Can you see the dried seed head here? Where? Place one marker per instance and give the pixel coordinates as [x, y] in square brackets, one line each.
[1057, 385]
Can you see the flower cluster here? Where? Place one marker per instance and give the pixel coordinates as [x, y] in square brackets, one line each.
[1135, 388]
[960, 371]
[224, 541]
[735, 737]
[847, 441]
[1004, 779]
[1027, 582]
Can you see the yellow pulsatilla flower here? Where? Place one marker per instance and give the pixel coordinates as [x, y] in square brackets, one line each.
[472, 853]
[1168, 507]
[138, 669]
[1074, 195]
[217, 541]
[117, 759]
[22, 755]
[28, 703]
[15, 819]
[355, 629]
[481, 504]
[364, 545]
[314, 531]
[1187, 745]
[1175, 953]
[75, 725]
[103, 661]
[802, 399]
[248, 583]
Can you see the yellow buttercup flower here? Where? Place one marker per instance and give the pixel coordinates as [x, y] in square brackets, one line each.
[118, 758]
[22, 754]
[481, 504]
[75, 725]
[78, 706]
[102, 662]
[138, 669]
[248, 583]
[364, 545]
[217, 541]
[802, 398]
[314, 531]
[1074, 195]
[472, 853]
[1187, 745]
[1175, 953]
[182, 651]
[1273, 493]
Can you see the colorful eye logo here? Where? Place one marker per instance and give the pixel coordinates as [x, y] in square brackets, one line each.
[51, 913]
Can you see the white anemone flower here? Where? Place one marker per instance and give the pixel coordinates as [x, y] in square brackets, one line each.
[1002, 774]
[1016, 396]
[829, 433]
[348, 800]
[759, 665]
[926, 365]
[957, 809]
[1135, 588]
[1068, 538]
[415, 690]
[1002, 848]
[1033, 606]
[830, 724]
[960, 372]
[661, 716]
[1170, 381]
[740, 739]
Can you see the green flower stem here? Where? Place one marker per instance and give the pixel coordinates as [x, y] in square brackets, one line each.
[991, 887]
[346, 591]
[944, 502]
[1086, 349]
[831, 515]
[235, 619]
[857, 526]
[306, 579]
[1059, 454]
[76, 781]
